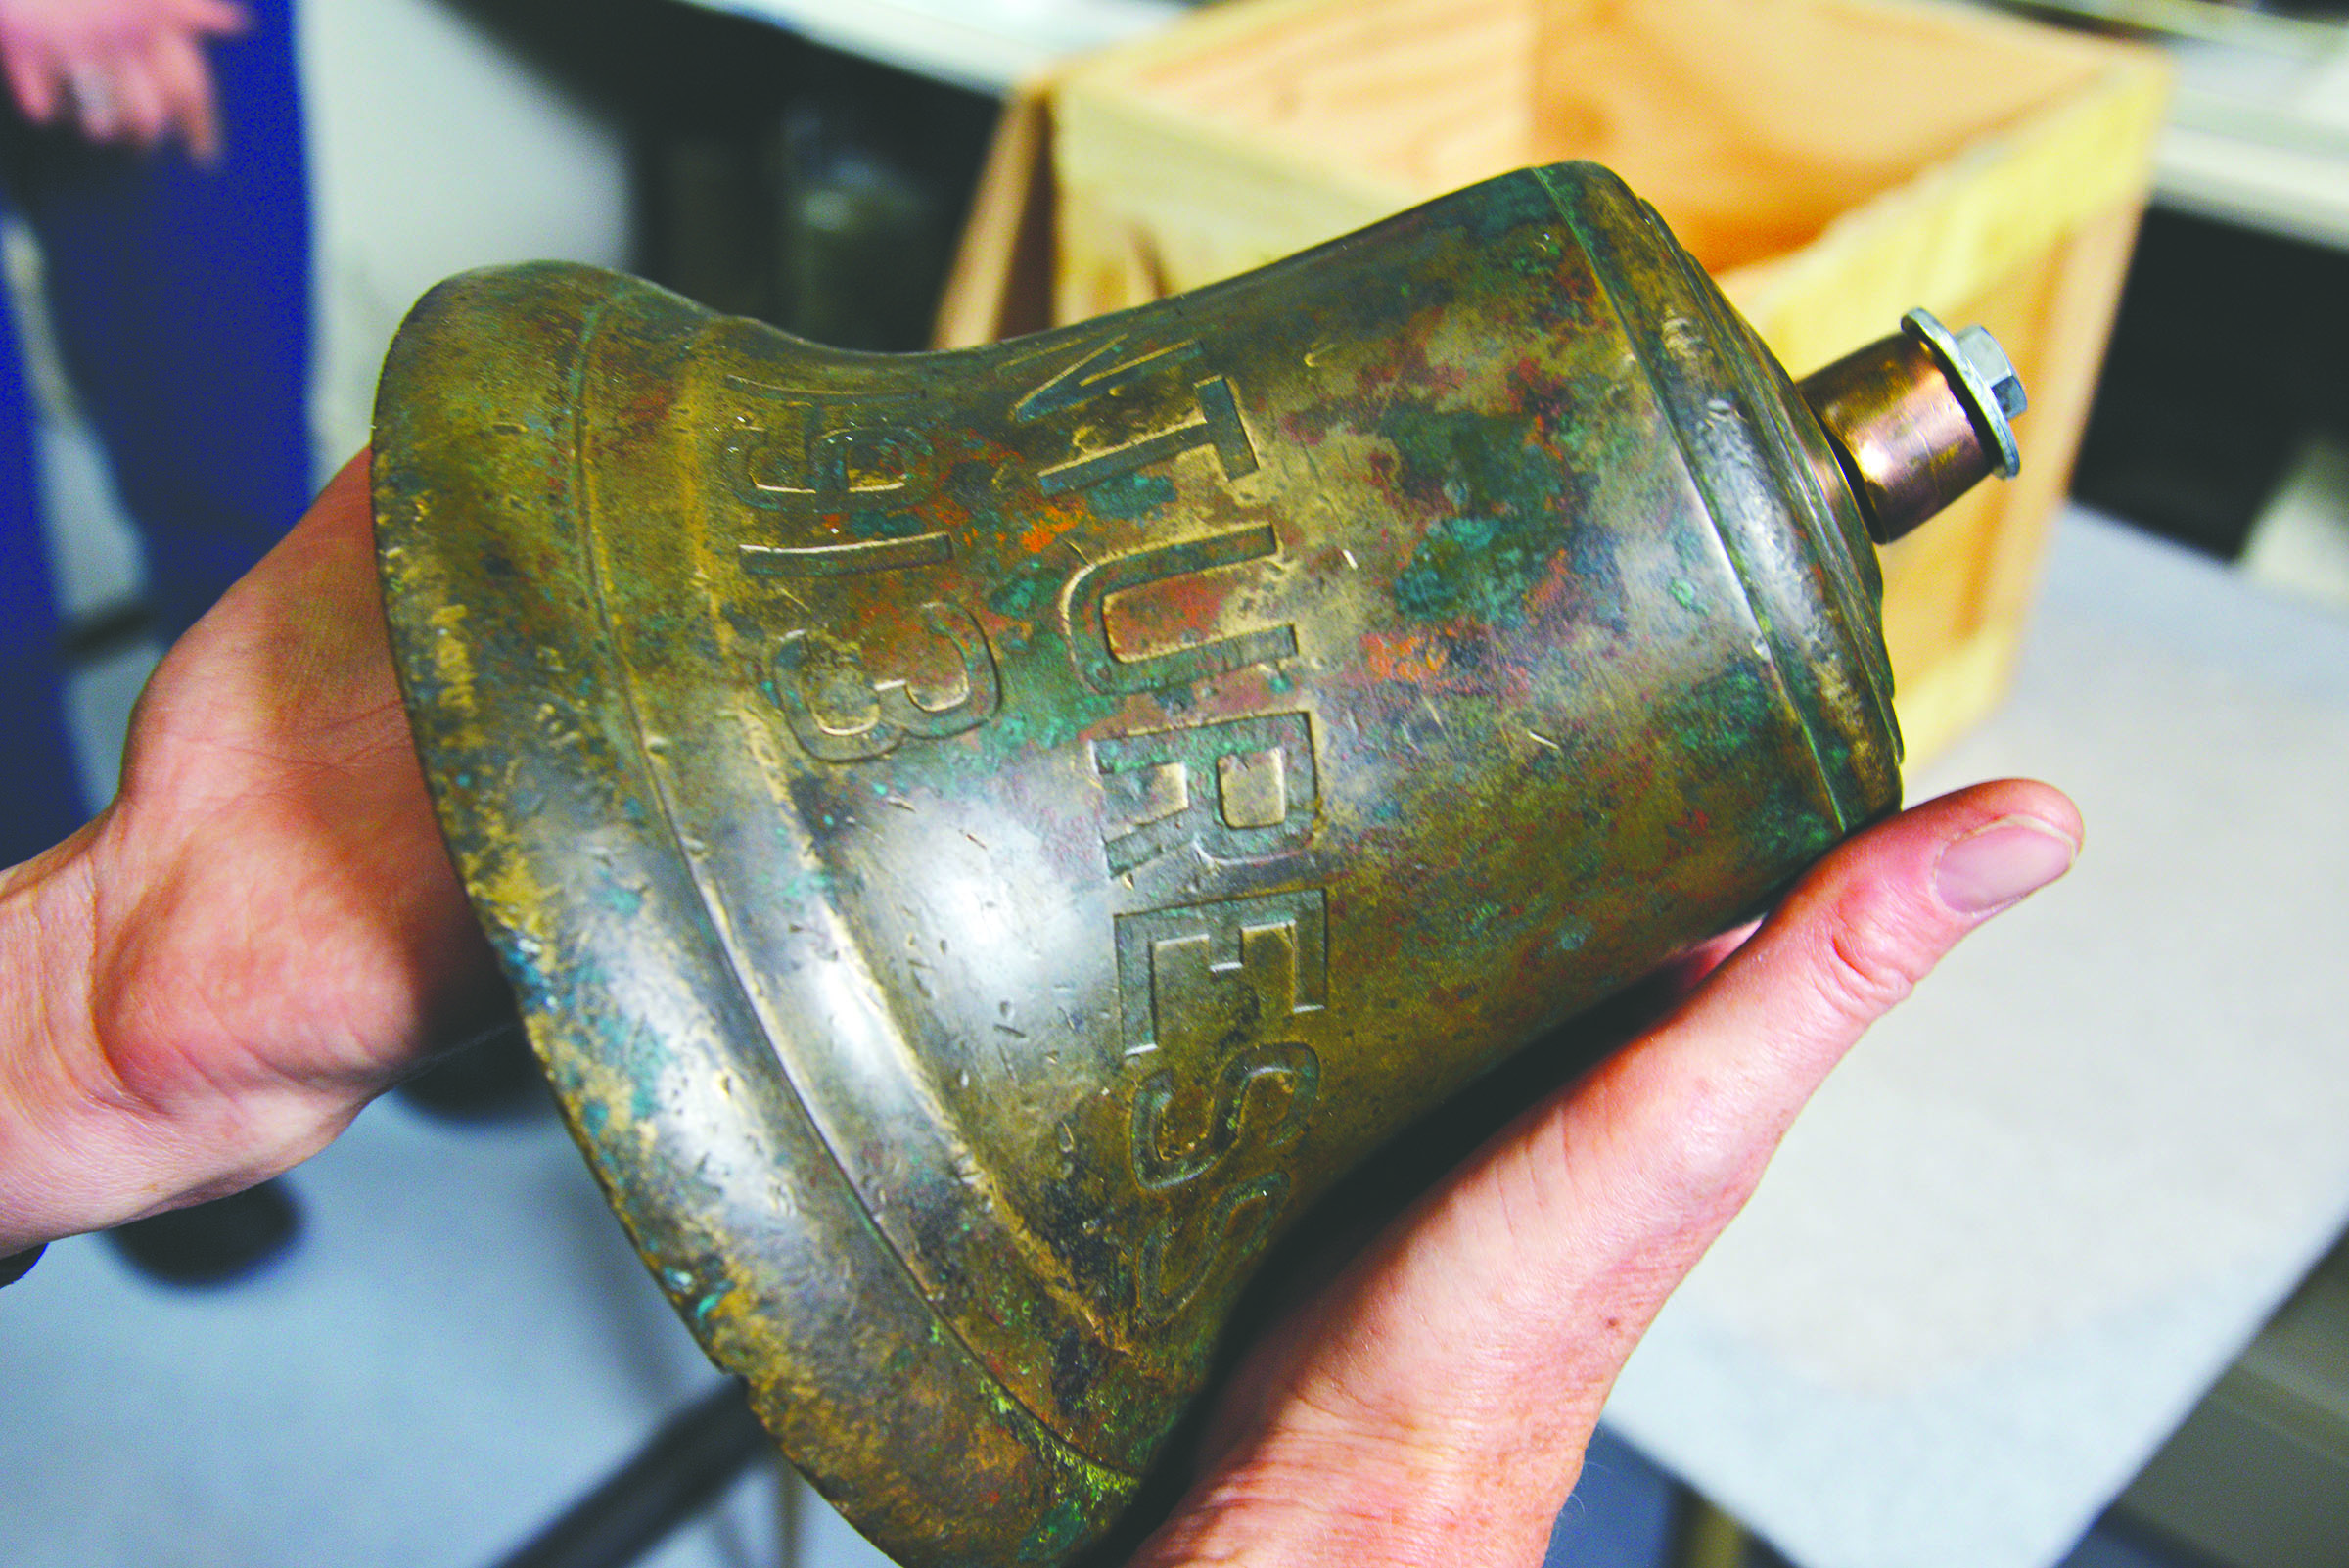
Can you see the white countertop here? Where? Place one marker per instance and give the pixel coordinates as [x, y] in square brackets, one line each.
[982, 44]
[2047, 1201]
[2258, 132]
[2261, 137]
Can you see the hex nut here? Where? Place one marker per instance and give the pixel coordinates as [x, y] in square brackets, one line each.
[1989, 360]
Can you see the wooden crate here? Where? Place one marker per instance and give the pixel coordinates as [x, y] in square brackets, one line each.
[1832, 161]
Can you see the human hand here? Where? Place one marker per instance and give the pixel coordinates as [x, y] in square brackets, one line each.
[1432, 1402]
[263, 930]
[259, 933]
[123, 70]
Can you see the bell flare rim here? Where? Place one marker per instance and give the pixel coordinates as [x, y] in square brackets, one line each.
[478, 557]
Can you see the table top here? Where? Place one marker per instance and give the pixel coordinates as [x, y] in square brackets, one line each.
[982, 44]
[2261, 138]
[2048, 1200]
[2258, 132]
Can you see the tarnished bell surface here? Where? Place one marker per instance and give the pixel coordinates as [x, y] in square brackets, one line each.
[982, 840]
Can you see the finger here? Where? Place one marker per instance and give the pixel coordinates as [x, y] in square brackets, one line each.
[1690, 969]
[1539, 1264]
[32, 80]
[221, 18]
[139, 104]
[1578, 1221]
[1708, 1098]
[185, 83]
[1549, 1254]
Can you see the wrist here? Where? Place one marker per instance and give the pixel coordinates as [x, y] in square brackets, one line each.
[1357, 1502]
[46, 921]
[88, 1143]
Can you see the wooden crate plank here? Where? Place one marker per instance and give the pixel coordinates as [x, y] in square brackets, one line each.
[1754, 125]
[1961, 227]
[1860, 156]
[1000, 284]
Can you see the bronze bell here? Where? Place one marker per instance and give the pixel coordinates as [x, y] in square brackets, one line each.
[981, 840]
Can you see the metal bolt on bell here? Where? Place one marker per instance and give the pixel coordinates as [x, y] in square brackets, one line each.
[981, 840]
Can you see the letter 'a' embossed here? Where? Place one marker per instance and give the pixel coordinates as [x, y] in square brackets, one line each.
[1218, 426]
[1110, 370]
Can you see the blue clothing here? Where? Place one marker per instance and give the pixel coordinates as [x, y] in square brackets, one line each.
[180, 298]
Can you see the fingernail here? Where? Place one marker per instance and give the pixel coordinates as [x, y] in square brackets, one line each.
[2001, 861]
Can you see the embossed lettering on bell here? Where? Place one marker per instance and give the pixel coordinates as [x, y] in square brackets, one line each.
[981, 840]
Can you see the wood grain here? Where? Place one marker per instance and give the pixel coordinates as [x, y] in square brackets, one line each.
[1833, 161]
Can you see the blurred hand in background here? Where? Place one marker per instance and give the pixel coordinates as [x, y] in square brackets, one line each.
[120, 71]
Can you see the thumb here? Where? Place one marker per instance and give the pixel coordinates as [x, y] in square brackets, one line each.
[1571, 1227]
[1436, 1398]
[1696, 1109]
[1566, 1234]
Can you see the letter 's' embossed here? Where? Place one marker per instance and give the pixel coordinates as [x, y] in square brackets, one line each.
[1211, 988]
[1246, 789]
[1158, 1298]
[1084, 613]
[838, 714]
[1291, 1077]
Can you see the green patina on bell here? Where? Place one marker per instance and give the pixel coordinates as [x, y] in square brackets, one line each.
[981, 840]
